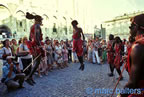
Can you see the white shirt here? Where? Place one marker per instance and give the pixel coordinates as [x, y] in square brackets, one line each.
[6, 51]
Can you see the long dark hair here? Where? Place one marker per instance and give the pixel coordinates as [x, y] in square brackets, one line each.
[118, 39]
[4, 42]
[31, 16]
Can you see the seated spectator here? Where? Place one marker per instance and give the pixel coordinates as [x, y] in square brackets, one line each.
[12, 74]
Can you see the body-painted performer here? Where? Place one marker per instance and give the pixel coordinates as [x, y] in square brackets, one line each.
[110, 54]
[118, 55]
[78, 43]
[135, 59]
[35, 43]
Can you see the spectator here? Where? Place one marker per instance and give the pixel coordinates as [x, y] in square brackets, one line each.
[96, 57]
[26, 59]
[58, 55]
[12, 73]
[69, 47]
[49, 54]
[5, 51]
[14, 47]
[89, 49]
[65, 56]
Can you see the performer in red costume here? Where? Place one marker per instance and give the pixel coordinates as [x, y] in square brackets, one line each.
[35, 43]
[118, 55]
[78, 43]
[110, 53]
[135, 59]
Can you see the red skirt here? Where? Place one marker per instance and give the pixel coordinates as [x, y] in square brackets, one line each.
[34, 48]
[78, 47]
[117, 61]
[110, 57]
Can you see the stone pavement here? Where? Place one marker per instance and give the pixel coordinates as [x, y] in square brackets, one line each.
[70, 82]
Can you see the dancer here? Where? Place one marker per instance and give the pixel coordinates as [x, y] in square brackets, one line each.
[78, 43]
[110, 54]
[135, 58]
[35, 44]
[118, 55]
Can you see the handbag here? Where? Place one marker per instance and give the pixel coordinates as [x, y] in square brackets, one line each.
[4, 55]
[22, 54]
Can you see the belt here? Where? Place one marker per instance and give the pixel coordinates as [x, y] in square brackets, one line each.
[76, 39]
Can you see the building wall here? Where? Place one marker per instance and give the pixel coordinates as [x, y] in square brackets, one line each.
[53, 11]
[119, 26]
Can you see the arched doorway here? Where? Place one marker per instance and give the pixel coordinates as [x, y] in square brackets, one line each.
[55, 26]
[45, 25]
[21, 24]
[5, 18]
[4, 12]
[5, 31]
[64, 25]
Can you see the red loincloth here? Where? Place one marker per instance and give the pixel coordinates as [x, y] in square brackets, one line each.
[118, 57]
[77, 44]
[110, 54]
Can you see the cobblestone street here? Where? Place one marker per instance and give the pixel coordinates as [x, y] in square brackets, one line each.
[69, 82]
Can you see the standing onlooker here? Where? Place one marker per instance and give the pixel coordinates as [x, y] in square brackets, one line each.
[104, 52]
[43, 63]
[65, 56]
[62, 43]
[5, 51]
[14, 47]
[26, 59]
[49, 54]
[85, 49]
[58, 55]
[89, 49]
[96, 57]
[20, 41]
[69, 46]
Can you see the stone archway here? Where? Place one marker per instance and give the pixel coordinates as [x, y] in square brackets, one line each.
[21, 24]
[5, 31]
[4, 12]
[45, 24]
